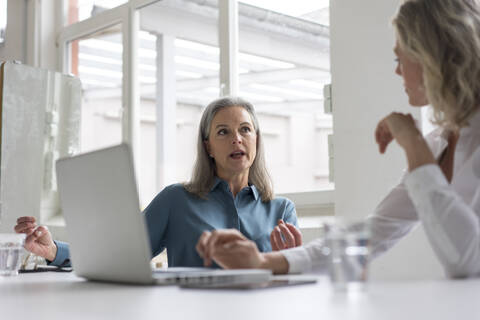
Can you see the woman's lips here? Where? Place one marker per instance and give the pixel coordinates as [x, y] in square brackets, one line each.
[237, 154]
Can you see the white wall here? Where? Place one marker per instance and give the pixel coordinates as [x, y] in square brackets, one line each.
[365, 89]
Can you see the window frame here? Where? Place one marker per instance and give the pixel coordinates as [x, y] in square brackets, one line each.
[127, 15]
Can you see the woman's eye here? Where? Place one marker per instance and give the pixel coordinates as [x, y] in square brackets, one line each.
[222, 132]
[246, 129]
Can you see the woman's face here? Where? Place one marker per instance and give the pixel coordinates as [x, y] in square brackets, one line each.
[232, 141]
[412, 73]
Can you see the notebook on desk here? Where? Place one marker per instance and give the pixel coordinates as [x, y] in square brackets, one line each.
[107, 232]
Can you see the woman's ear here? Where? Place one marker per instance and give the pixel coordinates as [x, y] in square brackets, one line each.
[207, 148]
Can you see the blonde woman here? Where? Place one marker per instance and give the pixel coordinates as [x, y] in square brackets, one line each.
[438, 57]
[230, 188]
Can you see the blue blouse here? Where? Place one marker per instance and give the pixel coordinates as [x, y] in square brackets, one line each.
[175, 220]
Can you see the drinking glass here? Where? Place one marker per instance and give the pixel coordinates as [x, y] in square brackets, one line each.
[347, 249]
[11, 249]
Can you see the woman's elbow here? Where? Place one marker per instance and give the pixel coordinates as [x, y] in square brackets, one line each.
[462, 271]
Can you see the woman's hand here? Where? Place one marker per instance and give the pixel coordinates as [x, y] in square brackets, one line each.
[401, 127]
[284, 236]
[229, 248]
[398, 126]
[39, 240]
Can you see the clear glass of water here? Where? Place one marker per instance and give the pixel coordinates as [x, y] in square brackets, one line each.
[347, 248]
[11, 249]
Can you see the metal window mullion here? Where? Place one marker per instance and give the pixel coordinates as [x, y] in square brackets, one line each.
[130, 92]
[138, 4]
[166, 126]
[60, 14]
[32, 54]
[93, 24]
[228, 43]
[84, 28]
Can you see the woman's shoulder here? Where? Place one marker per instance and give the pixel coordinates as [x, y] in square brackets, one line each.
[282, 201]
[176, 189]
[172, 192]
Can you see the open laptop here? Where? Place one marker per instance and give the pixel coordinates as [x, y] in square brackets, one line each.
[107, 232]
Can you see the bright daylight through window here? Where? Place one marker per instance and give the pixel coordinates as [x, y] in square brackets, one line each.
[283, 65]
[3, 19]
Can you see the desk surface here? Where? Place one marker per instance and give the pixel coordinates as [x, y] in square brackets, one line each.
[65, 296]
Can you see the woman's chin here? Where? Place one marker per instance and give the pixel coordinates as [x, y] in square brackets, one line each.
[417, 102]
[239, 169]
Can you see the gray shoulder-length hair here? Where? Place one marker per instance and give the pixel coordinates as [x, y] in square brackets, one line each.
[444, 37]
[204, 170]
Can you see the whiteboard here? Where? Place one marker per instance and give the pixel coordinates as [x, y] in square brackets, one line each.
[40, 122]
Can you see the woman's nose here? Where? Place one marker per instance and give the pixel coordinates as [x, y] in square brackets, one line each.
[398, 70]
[237, 139]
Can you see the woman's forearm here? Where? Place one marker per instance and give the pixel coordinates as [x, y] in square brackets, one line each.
[274, 261]
[418, 153]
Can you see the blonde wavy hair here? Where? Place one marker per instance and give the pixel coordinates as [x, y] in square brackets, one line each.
[444, 37]
[204, 170]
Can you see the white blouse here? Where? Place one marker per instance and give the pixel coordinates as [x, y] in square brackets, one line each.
[450, 213]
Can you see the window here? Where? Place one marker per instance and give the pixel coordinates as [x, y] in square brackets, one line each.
[3, 20]
[285, 47]
[79, 10]
[97, 60]
[178, 43]
[144, 63]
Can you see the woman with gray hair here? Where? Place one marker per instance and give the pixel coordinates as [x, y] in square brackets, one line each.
[230, 188]
[438, 57]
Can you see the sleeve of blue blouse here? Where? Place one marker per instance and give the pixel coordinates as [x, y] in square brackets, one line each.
[62, 259]
[290, 213]
[156, 219]
[452, 226]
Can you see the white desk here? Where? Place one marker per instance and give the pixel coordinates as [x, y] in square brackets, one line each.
[64, 296]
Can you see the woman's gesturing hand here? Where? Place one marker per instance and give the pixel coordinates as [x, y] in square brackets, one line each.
[39, 240]
[284, 236]
[229, 248]
[398, 126]
[402, 128]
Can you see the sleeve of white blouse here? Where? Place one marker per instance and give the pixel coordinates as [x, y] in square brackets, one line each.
[307, 259]
[451, 225]
[393, 218]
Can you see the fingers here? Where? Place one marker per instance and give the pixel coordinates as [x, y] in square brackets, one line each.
[40, 243]
[237, 254]
[287, 235]
[42, 232]
[383, 135]
[36, 234]
[202, 241]
[273, 241]
[26, 219]
[226, 254]
[32, 237]
[277, 239]
[25, 227]
[214, 238]
[201, 247]
[296, 234]
[211, 240]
